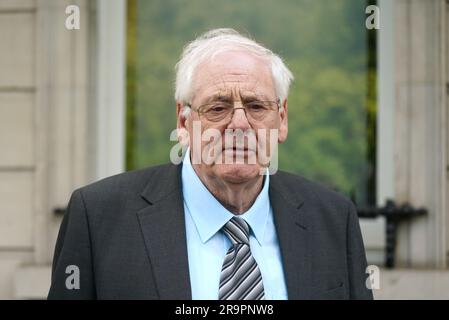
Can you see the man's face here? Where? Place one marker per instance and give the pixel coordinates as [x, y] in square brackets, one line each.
[237, 79]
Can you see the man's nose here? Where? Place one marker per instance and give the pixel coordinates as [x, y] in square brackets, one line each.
[239, 118]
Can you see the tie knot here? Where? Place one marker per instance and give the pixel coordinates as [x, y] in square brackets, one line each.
[237, 230]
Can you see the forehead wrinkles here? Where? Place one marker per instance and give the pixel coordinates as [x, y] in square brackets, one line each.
[222, 78]
[235, 86]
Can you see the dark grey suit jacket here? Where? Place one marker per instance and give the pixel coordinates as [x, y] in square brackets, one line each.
[127, 236]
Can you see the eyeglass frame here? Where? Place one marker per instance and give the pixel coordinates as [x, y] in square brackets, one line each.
[188, 105]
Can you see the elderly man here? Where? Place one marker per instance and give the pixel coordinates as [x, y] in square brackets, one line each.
[217, 226]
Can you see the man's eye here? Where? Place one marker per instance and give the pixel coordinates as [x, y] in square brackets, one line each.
[217, 109]
[256, 107]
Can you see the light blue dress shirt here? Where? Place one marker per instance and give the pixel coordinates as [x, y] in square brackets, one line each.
[207, 245]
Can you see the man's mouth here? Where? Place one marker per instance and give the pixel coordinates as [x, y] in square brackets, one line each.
[238, 150]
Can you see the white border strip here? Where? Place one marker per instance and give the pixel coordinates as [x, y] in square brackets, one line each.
[111, 87]
[386, 102]
[374, 230]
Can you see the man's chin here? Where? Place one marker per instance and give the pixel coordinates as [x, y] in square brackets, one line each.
[237, 173]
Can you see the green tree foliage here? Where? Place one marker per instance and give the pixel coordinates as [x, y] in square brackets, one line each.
[324, 43]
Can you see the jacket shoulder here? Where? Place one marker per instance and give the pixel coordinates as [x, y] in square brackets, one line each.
[130, 183]
[308, 190]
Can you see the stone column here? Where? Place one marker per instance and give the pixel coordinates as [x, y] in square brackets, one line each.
[421, 124]
[61, 132]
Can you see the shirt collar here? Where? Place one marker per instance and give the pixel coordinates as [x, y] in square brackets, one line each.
[209, 215]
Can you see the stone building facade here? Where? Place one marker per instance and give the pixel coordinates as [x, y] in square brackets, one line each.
[62, 126]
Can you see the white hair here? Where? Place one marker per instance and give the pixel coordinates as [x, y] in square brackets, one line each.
[221, 40]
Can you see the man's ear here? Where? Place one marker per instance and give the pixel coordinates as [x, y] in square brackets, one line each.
[283, 127]
[182, 124]
[180, 114]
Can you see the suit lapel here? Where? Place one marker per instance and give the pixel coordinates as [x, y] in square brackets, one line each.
[163, 228]
[162, 225]
[294, 238]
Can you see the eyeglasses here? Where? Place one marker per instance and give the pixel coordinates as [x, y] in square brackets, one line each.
[224, 111]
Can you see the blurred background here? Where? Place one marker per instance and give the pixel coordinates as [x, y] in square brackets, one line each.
[368, 116]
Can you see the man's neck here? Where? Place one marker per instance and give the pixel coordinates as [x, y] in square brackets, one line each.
[237, 198]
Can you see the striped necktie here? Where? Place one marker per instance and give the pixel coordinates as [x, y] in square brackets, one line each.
[240, 277]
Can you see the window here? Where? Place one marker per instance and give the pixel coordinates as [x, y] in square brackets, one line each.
[332, 107]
